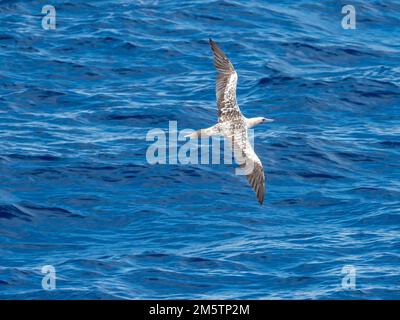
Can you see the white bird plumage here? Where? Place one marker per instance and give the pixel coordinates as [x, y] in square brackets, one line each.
[232, 124]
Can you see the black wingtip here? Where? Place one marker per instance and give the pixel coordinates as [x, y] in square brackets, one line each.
[260, 198]
[213, 45]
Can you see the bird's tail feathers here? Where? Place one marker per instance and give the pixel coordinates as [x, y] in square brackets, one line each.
[194, 134]
[211, 131]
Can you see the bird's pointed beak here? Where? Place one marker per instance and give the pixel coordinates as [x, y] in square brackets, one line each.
[268, 120]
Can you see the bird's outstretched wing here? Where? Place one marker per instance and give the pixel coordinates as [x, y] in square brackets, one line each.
[256, 177]
[250, 163]
[254, 172]
[225, 85]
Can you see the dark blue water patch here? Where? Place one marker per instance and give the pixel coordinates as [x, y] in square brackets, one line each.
[355, 157]
[378, 94]
[49, 211]
[275, 80]
[390, 219]
[7, 37]
[389, 144]
[13, 212]
[369, 192]
[352, 102]
[38, 95]
[149, 119]
[314, 175]
[32, 158]
[329, 54]
[28, 212]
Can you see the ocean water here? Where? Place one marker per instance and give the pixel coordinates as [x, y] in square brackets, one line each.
[77, 193]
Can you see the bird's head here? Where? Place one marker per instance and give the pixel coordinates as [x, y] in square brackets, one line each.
[264, 120]
[251, 122]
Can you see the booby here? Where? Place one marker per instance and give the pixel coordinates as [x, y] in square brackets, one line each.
[233, 125]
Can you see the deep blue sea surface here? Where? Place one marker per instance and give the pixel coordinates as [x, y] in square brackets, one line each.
[77, 193]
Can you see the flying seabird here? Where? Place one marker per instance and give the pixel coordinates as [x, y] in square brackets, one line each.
[232, 124]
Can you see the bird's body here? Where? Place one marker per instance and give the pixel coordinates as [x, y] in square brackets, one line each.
[232, 124]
